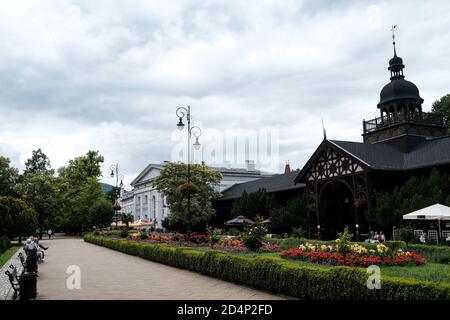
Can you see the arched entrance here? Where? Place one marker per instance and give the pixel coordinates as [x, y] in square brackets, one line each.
[336, 209]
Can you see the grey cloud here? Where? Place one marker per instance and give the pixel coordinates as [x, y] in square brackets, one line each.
[113, 72]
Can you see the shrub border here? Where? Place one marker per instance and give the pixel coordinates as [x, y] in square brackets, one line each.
[279, 276]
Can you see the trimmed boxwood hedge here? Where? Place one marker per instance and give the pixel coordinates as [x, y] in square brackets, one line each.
[277, 275]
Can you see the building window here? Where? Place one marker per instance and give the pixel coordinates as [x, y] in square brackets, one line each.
[154, 206]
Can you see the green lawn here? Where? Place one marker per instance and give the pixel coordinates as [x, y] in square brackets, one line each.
[5, 256]
[430, 271]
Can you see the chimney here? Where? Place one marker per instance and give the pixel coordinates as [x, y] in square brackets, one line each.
[287, 168]
[250, 165]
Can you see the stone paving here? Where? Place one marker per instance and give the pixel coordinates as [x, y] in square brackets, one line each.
[108, 274]
[6, 291]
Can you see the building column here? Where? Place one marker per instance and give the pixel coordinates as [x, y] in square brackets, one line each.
[149, 197]
[135, 206]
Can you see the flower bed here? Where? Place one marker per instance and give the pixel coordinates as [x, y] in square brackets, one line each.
[236, 245]
[201, 240]
[355, 256]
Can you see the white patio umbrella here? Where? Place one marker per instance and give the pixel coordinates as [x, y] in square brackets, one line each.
[435, 212]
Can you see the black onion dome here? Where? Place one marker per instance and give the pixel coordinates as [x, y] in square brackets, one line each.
[399, 89]
[396, 62]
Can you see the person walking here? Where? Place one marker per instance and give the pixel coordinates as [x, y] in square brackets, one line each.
[50, 232]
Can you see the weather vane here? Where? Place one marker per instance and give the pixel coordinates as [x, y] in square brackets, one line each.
[393, 36]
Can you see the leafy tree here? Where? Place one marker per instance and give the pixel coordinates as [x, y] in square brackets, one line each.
[38, 164]
[254, 204]
[19, 214]
[6, 222]
[442, 106]
[82, 168]
[113, 194]
[43, 193]
[199, 190]
[79, 201]
[293, 215]
[101, 213]
[126, 218]
[82, 190]
[8, 177]
[416, 193]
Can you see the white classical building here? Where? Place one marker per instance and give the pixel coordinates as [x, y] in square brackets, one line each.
[145, 202]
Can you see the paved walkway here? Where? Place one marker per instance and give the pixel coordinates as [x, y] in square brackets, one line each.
[108, 274]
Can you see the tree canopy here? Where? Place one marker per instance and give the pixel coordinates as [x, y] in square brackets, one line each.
[199, 189]
[418, 192]
[38, 164]
[254, 204]
[8, 177]
[17, 217]
[101, 213]
[293, 215]
[442, 106]
[71, 201]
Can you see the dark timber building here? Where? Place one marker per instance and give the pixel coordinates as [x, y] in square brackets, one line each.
[281, 186]
[341, 176]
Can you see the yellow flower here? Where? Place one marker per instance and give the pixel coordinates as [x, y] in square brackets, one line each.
[381, 248]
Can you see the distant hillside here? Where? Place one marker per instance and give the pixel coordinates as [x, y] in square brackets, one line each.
[106, 187]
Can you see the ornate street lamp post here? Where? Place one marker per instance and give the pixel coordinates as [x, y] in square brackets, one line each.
[115, 173]
[193, 131]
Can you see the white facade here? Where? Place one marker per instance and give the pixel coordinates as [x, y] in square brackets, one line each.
[145, 202]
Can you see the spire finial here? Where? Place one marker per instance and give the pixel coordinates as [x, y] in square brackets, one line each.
[393, 38]
[324, 131]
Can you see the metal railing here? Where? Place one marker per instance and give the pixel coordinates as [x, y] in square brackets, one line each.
[422, 118]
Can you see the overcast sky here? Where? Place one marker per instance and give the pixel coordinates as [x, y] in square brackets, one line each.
[108, 75]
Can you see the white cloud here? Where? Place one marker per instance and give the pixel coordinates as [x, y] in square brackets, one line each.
[108, 75]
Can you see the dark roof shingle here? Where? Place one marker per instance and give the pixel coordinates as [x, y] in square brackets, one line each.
[278, 182]
[382, 156]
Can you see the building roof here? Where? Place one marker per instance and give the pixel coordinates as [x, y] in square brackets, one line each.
[240, 172]
[275, 183]
[384, 156]
[399, 89]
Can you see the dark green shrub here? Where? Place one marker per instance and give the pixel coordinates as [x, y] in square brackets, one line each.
[443, 258]
[143, 235]
[277, 275]
[407, 235]
[433, 253]
[232, 232]
[395, 245]
[5, 244]
[298, 232]
[124, 233]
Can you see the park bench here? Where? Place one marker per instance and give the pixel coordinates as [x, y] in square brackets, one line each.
[13, 276]
[23, 260]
